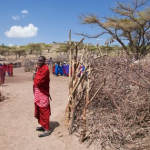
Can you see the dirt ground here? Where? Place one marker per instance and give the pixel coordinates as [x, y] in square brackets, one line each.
[17, 122]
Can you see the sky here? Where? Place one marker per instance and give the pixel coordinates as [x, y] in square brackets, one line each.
[47, 21]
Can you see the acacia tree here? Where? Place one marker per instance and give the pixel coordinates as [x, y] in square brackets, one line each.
[48, 47]
[63, 48]
[35, 48]
[4, 50]
[129, 24]
[20, 51]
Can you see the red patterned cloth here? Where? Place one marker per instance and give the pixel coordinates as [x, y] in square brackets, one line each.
[40, 99]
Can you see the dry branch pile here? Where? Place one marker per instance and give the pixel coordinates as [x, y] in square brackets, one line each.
[29, 65]
[109, 104]
[119, 115]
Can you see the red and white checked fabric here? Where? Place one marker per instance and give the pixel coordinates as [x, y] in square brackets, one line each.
[81, 72]
[40, 99]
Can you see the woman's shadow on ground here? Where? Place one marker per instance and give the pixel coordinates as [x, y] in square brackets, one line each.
[53, 125]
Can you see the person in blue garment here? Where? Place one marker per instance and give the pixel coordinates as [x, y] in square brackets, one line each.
[56, 69]
[61, 69]
[64, 69]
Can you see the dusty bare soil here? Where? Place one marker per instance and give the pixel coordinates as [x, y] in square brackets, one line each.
[17, 122]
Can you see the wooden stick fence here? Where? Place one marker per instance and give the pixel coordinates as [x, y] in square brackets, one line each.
[109, 103]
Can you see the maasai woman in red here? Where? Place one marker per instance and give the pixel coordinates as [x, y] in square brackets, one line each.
[11, 69]
[8, 69]
[2, 75]
[41, 96]
[5, 67]
[53, 68]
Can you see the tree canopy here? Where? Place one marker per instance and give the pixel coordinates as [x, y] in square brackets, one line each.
[35, 48]
[48, 47]
[131, 23]
[4, 49]
[20, 51]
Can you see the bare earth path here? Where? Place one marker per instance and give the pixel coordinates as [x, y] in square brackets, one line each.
[17, 124]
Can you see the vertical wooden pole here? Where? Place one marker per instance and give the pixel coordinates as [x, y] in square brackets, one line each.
[70, 60]
[83, 132]
[68, 108]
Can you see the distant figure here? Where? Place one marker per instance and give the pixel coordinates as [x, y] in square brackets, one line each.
[64, 69]
[11, 69]
[61, 69]
[2, 75]
[67, 69]
[5, 67]
[50, 61]
[56, 69]
[42, 96]
[53, 68]
[8, 69]
[47, 61]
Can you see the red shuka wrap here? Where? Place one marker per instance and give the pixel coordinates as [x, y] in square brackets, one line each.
[11, 69]
[41, 80]
[42, 114]
[2, 75]
[5, 68]
[53, 68]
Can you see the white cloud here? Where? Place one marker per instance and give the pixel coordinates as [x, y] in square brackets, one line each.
[24, 12]
[22, 32]
[16, 17]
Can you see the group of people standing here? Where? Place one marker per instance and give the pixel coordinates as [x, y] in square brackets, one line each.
[5, 69]
[63, 69]
[60, 69]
